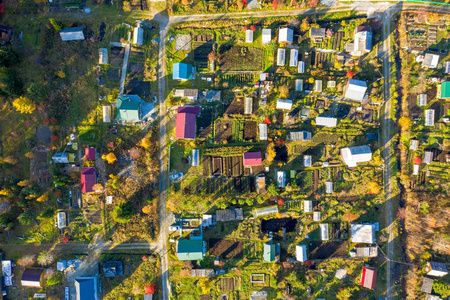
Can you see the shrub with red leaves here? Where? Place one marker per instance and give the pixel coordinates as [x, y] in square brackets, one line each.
[253, 28]
[350, 74]
[46, 121]
[244, 28]
[54, 138]
[267, 121]
[280, 202]
[150, 289]
[313, 3]
[53, 121]
[275, 4]
[144, 258]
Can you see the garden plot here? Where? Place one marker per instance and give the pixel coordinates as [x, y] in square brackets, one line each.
[276, 225]
[236, 107]
[204, 38]
[138, 87]
[366, 116]
[201, 51]
[137, 54]
[116, 56]
[326, 250]
[183, 42]
[227, 284]
[204, 124]
[113, 74]
[244, 184]
[250, 131]
[224, 131]
[226, 249]
[239, 58]
[135, 69]
[337, 40]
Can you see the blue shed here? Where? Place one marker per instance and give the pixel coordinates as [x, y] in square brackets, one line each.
[182, 71]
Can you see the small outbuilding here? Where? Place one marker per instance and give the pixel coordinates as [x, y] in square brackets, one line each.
[252, 159]
[363, 233]
[286, 36]
[369, 278]
[190, 249]
[293, 58]
[427, 285]
[326, 121]
[355, 90]
[437, 269]
[324, 233]
[300, 253]
[88, 179]
[106, 113]
[301, 67]
[357, 154]
[271, 252]
[195, 157]
[281, 179]
[138, 35]
[90, 153]
[263, 132]
[186, 122]
[430, 61]
[249, 36]
[33, 278]
[284, 104]
[102, 56]
[113, 268]
[266, 36]
[281, 56]
[183, 72]
[86, 288]
[72, 34]
[307, 206]
[61, 219]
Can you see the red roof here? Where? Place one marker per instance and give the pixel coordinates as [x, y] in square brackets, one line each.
[87, 179]
[186, 122]
[369, 277]
[2, 8]
[252, 159]
[90, 153]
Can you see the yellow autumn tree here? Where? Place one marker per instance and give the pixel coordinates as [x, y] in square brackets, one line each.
[374, 187]
[97, 187]
[24, 183]
[145, 142]
[271, 152]
[6, 192]
[110, 158]
[43, 198]
[24, 105]
[404, 122]
[29, 154]
[147, 209]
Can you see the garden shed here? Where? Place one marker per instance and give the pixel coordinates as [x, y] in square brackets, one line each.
[369, 278]
[363, 233]
[263, 132]
[285, 36]
[300, 253]
[281, 57]
[266, 36]
[326, 121]
[293, 58]
[72, 34]
[356, 154]
[324, 233]
[355, 90]
[138, 35]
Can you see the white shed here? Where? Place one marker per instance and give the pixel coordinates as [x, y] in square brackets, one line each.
[298, 85]
[61, 219]
[293, 58]
[248, 107]
[422, 100]
[416, 169]
[138, 35]
[317, 216]
[363, 233]
[284, 104]
[286, 36]
[266, 36]
[356, 154]
[102, 56]
[355, 89]
[329, 187]
[281, 57]
[263, 132]
[72, 34]
[324, 236]
[318, 86]
[428, 157]
[429, 117]
[195, 157]
[106, 113]
[307, 206]
[307, 161]
[301, 67]
[326, 121]
[300, 253]
[281, 179]
[249, 36]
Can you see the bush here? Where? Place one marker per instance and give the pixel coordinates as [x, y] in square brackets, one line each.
[47, 213]
[442, 288]
[55, 279]
[45, 258]
[123, 213]
[27, 216]
[56, 24]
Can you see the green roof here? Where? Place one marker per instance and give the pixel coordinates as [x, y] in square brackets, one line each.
[128, 110]
[445, 89]
[190, 250]
[270, 252]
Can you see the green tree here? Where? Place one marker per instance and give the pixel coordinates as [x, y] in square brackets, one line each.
[123, 213]
[27, 216]
[11, 84]
[45, 258]
[442, 288]
[55, 279]
[8, 57]
[272, 190]
[47, 213]
[112, 97]
[56, 24]
[37, 91]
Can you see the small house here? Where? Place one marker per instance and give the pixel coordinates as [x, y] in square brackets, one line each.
[307, 206]
[284, 104]
[61, 219]
[363, 233]
[416, 169]
[261, 184]
[113, 268]
[427, 285]
[298, 85]
[252, 159]
[202, 273]
[190, 94]
[186, 122]
[356, 154]
[102, 56]
[72, 34]
[231, 214]
[90, 153]
[300, 253]
[138, 35]
[33, 278]
[263, 132]
[7, 272]
[299, 136]
[86, 288]
[317, 35]
[324, 234]
[331, 84]
[428, 157]
[63, 158]
[329, 187]
[106, 113]
[414, 146]
[195, 157]
[248, 106]
[366, 251]
[129, 108]
[281, 179]
[271, 252]
[318, 86]
[355, 90]
[249, 36]
[307, 161]
[212, 95]
[369, 278]
[317, 216]
[293, 58]
[281, 57]
[183, 72]
[447, 67]
[445, 90]
[362, 43]
[430, 61]
[301, 67]
[266, 36]
[436, 269]
[190, 249]
[422, 100]
[326, 121]
[88, 179]
[286, 36]
[429, 117]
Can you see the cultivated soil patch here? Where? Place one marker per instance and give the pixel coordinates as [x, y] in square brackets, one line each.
[138, 87]
[204, 124]
[250, 131]
[201, 51]
[238, 58]
[224, 131]
[226, 249]
[325, 250]
[116, 56]
[43, 135]
[236, 107]
[135, 69]
[227, 284]
[275, 225]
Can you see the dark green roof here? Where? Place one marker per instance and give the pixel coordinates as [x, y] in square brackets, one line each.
[445, 89]
[270, 252]
[190, 250]
[128, 110]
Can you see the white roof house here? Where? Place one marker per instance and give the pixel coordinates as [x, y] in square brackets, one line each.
[263, 132]
[324, 235]
[356, 154]
[437, 269]
[281, 179]
[422, 100]
[293, 58]
[414, 145]
[298, 85]
[329, 187]
[102, 56]
[61, 220]
[299, 135]
[248, 106]
[286, 36]
[355, 89]
[430, 61]
[300, 253]
[363, 233]
[317, 216]
[428, 157]
[429, 117]
[307, 161]
[326, 121]
[307, 206]
[138, 35]
[447, 67]
[284, 104]
[331, 84]
[107, 113]
[318, 86]
[416, 169]
[301, 67]
[281, 57]
[195, 157]
[266, 36]
[72, 34]
[7, 272]
[362, 41]
[249, 36]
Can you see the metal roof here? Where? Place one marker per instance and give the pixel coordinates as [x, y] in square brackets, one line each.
[182, 71]
[86, 288]
[263, 132]
[324, 235]
[284, 104]
[72, 34]
[355, 89]
[281, 57]
[326, 121]
[249, 36]
[266, 35]
[298, 85]
[301, 67]
[293, 58]
[190, 249]
[429, 117]
[363, 233]
[286, 35]
[103, 56]
[138, 35]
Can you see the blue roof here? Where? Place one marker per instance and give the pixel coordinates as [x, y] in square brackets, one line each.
[182, 71]
[86, 288]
